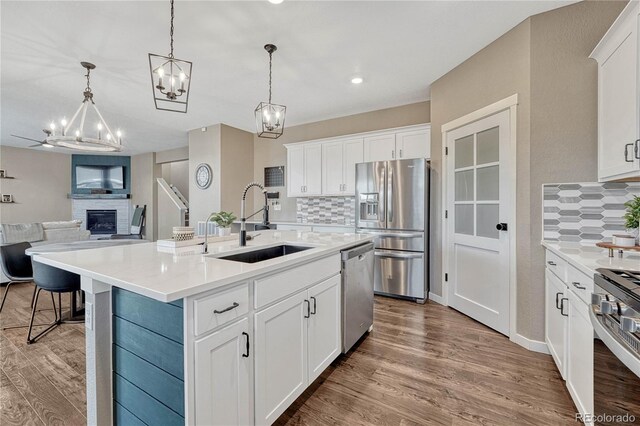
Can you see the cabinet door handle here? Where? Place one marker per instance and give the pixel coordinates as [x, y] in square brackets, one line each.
[562, 306]
[308, 308]
[636, 149]
[246, 354]
[400, 153]
[551, 263]
[314, 305]
[393, 153]
[578, 286]
[557, 302]
[626, 152]
[227, 309]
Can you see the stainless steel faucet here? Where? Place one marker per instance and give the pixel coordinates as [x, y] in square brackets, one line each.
[243, 219]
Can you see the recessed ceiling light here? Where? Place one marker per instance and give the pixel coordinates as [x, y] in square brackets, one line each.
[357, 80]
[275, 1]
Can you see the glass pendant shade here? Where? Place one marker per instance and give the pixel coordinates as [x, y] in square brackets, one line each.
[170, 82]
[70, 135]
[270, 117]
[270, 120]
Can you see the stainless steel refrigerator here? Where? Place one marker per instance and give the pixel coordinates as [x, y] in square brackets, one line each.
[392, 203]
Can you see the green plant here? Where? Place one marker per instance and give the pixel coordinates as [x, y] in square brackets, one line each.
[632, 216]
[223, 219]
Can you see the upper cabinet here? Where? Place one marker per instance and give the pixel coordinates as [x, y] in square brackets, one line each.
[327, 167]
[415, 143]
[304, 170]
[339, 159]
[618, 98]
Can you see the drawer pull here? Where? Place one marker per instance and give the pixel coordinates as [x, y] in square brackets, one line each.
[246, 355]
[235, 305]
[578, 286]
[552, 263]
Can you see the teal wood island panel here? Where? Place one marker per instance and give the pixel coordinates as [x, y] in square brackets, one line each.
[148, 360]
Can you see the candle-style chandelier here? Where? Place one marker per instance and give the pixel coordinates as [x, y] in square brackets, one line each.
[170, 79]
[270, 117]
[75, 137]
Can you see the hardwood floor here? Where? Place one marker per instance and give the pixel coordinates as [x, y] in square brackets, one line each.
[421, 365]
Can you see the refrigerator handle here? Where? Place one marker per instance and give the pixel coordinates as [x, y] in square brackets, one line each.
[382, 200]
[390, 195]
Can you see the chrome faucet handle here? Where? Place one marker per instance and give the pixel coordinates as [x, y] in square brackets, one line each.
[630, 324]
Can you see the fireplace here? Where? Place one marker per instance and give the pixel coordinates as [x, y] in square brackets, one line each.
[102, 221]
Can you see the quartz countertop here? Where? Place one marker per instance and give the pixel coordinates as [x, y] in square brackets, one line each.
[167, 276]
[285, 222]
[588, 258]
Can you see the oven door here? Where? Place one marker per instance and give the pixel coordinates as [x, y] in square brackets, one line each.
[616, 385]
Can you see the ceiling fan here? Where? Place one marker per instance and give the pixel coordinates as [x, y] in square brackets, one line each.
[40, 143]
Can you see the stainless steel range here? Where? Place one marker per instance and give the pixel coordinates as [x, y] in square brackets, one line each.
[615, 315]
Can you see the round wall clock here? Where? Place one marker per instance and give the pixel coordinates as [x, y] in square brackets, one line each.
[203, 175]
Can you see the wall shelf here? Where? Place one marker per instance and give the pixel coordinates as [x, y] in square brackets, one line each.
[7, 177]
[99, 196]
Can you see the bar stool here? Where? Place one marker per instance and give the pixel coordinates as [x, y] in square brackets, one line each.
[56, 281]
[16, 265]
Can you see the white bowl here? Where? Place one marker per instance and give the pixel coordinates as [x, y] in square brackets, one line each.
[624, 241]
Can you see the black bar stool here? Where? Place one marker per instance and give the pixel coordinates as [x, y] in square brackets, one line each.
[56, 281]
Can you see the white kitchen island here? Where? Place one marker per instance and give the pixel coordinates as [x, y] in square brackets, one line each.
[187, 338]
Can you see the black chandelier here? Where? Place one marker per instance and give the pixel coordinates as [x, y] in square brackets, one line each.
[270, 117]
[170, 79]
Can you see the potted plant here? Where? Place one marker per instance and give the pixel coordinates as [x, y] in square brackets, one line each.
[632, 216]
[224, 221]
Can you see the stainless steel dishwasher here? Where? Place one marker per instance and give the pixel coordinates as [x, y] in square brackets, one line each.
[357, 293]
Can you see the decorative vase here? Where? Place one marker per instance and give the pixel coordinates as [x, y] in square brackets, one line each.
[224, 232]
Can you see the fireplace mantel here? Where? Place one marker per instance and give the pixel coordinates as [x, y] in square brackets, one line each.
[99, 196]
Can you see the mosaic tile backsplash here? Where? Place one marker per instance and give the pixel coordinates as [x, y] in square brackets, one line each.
[326, 210]
[586, 212]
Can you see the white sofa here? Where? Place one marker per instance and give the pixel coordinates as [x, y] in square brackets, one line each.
[59, 232]
[56, 232]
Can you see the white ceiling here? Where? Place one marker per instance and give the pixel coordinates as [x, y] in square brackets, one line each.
[398, 47]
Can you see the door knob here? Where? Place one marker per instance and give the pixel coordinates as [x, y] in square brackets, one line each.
[501, 227]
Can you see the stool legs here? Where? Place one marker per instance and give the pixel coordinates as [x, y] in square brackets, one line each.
[57, 321]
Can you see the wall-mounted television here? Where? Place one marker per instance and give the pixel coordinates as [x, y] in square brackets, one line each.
[99, 177]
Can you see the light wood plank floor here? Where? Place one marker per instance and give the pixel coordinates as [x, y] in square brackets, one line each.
[421, 365]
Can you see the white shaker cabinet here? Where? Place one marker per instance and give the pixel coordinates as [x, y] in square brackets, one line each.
[280, 356]
[618, 98]
[304, 170]
[380, 147]
[580, 354]
[296, 339]
[556, 313]
[223, 380]
[324, 336]
[414, 144]
[339, 159]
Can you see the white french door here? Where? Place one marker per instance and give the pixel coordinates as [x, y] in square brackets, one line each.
[478, 220]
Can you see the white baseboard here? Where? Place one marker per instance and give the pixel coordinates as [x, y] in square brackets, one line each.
[532, 345]
[435, 298]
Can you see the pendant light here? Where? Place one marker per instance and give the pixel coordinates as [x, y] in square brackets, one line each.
[270, 117]
[170, 79]
[72, 137]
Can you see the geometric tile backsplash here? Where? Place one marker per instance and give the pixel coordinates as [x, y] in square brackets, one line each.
[326, 210]
[586, 212]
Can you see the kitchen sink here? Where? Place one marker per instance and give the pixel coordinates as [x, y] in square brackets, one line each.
[260, 255]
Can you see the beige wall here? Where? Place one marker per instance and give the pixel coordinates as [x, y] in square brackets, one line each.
[172, 155]
[268, 152]
[229, 177]
[144, 189]
[236, 169]
[543, 60]
[40, 188]
[176, 173]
